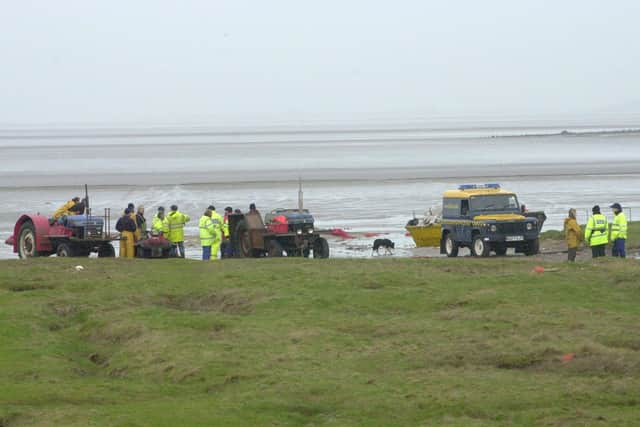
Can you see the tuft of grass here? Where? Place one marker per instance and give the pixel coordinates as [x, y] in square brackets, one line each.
[318, 342]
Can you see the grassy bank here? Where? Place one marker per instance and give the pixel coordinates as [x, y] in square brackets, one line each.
[332, 342]
[633, 240]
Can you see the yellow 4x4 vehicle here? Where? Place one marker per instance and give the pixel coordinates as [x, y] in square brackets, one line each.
[486, 218]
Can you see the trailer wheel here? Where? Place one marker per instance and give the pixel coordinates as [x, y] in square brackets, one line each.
[65, 250]
[27, 241]
[275, 249]
[242, 241]
[106, 251]
[321, 248]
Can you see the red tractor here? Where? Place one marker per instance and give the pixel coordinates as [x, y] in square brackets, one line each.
[34, 235]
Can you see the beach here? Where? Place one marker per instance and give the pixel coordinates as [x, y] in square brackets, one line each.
[360, 180]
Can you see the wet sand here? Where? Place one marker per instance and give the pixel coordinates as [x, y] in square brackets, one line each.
[361, 186]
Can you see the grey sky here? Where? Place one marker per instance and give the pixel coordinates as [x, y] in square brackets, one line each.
[295, 61]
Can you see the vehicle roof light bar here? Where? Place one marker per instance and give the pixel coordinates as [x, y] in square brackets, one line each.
[491, 186]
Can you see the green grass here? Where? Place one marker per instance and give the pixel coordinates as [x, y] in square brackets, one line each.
[331, 342]
[633, 240]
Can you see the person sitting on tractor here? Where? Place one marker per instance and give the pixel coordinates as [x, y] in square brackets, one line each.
[60, 215]
[79, 208]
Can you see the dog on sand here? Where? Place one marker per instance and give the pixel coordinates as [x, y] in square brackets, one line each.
[385, 244]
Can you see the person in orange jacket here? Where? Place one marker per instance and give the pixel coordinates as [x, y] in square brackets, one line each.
[573, 234]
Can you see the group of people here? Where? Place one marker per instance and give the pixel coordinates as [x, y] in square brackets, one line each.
[214, 230]
[598, 233]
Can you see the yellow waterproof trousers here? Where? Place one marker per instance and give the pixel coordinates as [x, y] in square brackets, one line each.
[127, 248]
[215, 248]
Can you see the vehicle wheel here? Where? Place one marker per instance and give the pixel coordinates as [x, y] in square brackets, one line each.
[242, 241]
[321, 248]
[106, 251]
[501, 251]
[480, 247]
[450, 246]
[275, 249]
[65, 250]
[533, 247]
[27, 241]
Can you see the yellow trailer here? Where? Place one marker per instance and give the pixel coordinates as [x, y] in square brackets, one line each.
[425, 236]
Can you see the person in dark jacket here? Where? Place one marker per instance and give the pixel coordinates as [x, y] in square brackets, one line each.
[126, 226]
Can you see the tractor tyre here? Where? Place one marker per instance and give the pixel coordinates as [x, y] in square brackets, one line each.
[106, 251]
[533, 247]
[321, 248]
[27, 241]
[451, 246]
[65, 250]
[275, 249]
[242, 242]
[480, 248]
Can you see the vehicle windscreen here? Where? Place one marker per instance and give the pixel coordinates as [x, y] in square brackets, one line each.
[497, 203]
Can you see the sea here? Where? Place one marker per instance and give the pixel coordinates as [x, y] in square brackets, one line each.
[362, 178]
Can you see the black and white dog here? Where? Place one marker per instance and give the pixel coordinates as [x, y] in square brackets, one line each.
[386, 244]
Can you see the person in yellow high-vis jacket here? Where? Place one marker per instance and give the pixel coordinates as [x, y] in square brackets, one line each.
[596, 234]
[218, 223]
[618, 231]
[225, 249]
[207, 234]
[175, 223]
[159, 225]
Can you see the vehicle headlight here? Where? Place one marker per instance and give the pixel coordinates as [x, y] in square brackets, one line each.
[493, 228]
[311, 231]
[529, 226]
[299, 232]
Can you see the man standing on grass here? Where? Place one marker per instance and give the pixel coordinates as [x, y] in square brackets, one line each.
[207, 234]
[218, 223]
[618, 232]
[175, 222]
[597, 233]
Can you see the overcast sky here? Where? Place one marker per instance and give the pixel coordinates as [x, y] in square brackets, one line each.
[295, 61]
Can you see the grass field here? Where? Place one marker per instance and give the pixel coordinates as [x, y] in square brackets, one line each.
[333, 342]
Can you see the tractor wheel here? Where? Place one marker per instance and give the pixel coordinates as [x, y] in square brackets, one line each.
[450, 246]
[533, 247]
[275, 249]
[242, 241]
[321, 248]
[480, 247]
[27, 241]
[106, 251]
[65, 250]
